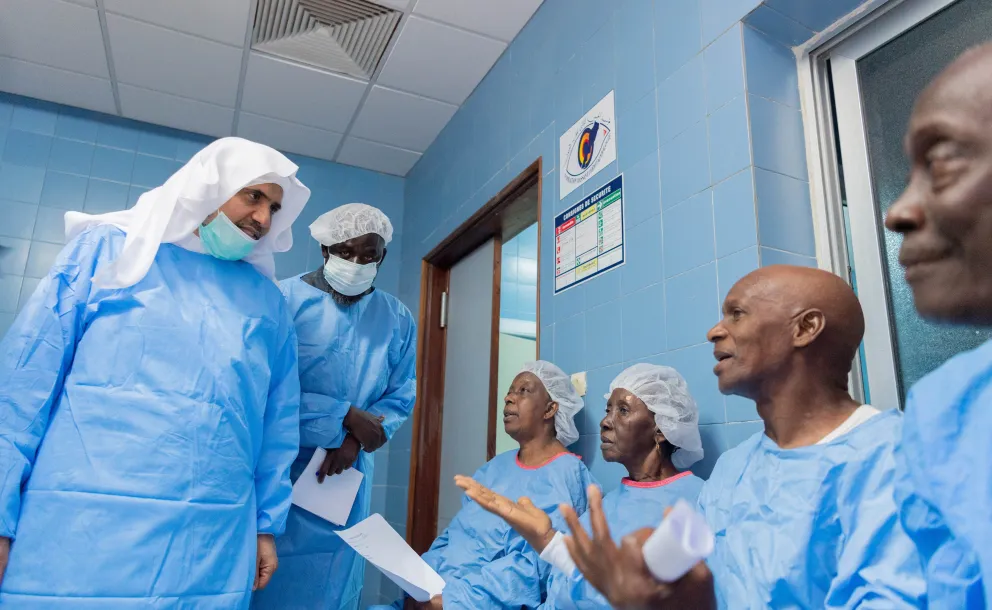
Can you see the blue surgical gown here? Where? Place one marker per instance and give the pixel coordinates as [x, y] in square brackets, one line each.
[484, 563]
[812, 527]
[146, 434]
[632, 507]
[945, 487]
[363, 355]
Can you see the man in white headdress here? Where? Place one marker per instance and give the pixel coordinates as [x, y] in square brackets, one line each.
[358, 378]
[149, 398]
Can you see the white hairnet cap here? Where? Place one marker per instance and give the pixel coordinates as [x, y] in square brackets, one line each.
[560, 388]
[350, 221]
[666, 393]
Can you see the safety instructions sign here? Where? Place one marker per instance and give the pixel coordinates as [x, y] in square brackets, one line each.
[589, 237]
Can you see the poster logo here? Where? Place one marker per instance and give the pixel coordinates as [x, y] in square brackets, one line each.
[587, 146]
[587, 149]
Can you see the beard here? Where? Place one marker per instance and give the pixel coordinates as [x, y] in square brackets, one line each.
[345, 300]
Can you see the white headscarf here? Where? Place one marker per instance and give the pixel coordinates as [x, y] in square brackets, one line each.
[170, 213]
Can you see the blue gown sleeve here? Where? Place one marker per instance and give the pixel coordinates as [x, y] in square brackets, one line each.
[509, 581]
[951, 569]
[280, 437]
[322, 420]
[397, 403]
[878, 566]
[35, 357]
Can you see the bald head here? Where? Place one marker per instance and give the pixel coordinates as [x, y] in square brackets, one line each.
[945, 213]
[784, 320]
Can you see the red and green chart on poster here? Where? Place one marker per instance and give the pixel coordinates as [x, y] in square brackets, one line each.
[589, 237]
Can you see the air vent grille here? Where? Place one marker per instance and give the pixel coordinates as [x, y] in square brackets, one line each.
[346, 36]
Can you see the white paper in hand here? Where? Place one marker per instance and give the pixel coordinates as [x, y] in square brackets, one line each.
[332, 499]
[379, 543]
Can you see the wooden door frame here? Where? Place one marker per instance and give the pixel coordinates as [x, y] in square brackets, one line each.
[506, 214]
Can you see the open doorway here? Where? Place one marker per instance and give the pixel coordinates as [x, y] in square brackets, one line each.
[478, 311]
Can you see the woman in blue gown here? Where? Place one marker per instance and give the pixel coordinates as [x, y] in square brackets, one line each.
[651, 428]
[485, 565]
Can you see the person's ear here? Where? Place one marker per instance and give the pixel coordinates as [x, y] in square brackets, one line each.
[659, 438]
[325, 252]
[551, 410]
[809, 325]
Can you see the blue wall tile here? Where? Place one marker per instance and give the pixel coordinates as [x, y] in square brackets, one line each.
[638, 136]
[719, 15]
[644, 323]
[28, 287]
[771, 69]
[18, 219]
[158, 143]
[784, 218]
[603, 289]
[642, 191]
[696, 366]
[770, 256]
[10, 290]
[681, 100]
[677, 36]
[597, 385]
[735, 266]
[152, 171]
[734, 214]
[685, 165]
[75, 124]
[36, 116]
[118, 133]
[730, 150]
[113, 164]
[40, 258]
[692, 307]
[50, 226]
[27, 148]
[21, 183]
[724, 62]
[603, 329]
[16, 256]
[64, 191]
[689, 234]
[570, 343]
[634, 35]
[814, 14]
[103, 196]
[778, 27]
[777, 137]
[71, 156]
[643, 264]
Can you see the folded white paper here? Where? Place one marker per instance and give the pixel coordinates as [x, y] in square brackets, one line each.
[379, 543]
[332, 499]
[681, 541]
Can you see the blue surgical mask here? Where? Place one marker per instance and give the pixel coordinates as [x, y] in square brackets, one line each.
[348, 278]
[224, 240]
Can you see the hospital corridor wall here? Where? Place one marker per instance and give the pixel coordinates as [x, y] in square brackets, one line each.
[710, 143]
[56, 158]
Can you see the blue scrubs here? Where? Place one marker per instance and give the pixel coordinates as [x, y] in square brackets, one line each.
[146, 433]
[363, 355]
[813, 527]
[945, 487]
[632, 507]
[484, 563]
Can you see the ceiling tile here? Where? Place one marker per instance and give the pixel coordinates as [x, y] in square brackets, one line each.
[291, 92]
[399, 5]
[165, 60]
[86, 2]
[177, 112]
[289, 137]
[53, 33]
[422, 60]
[33, 80]
[401, 119]
[377, 157]
[221, 20]
[502, 19]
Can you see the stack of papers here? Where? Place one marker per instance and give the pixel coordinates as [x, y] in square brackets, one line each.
[384, 548]
[332, 499]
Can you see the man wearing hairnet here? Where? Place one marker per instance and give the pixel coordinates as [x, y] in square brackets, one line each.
[149, 398]
[358, 379]
[484, 563]
[651, 428]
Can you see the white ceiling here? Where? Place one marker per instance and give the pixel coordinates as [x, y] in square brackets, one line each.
[187, 64]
